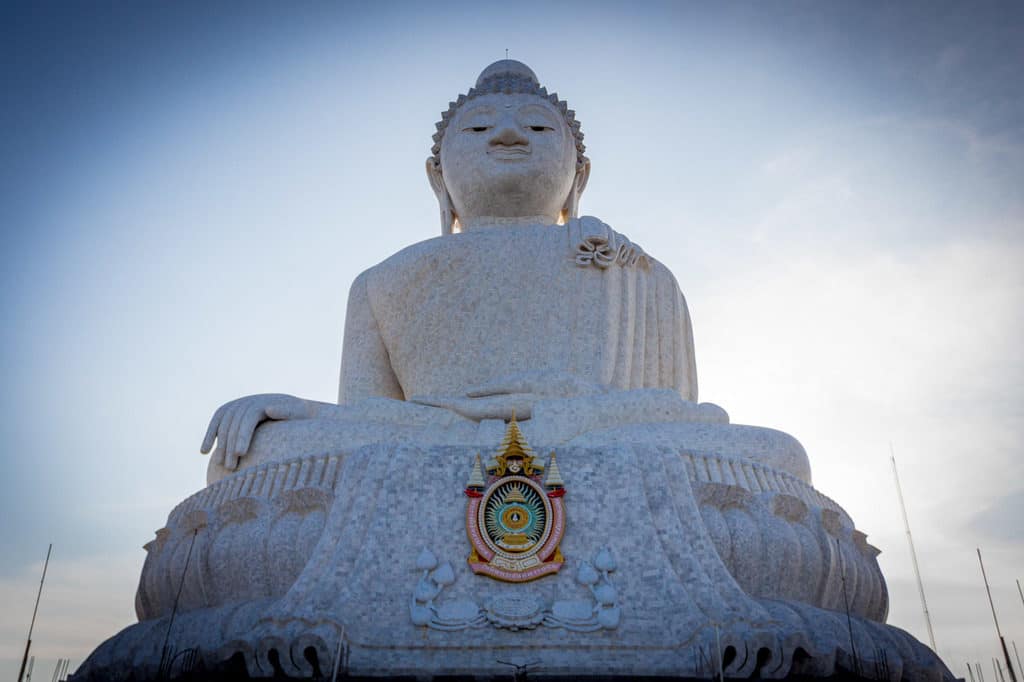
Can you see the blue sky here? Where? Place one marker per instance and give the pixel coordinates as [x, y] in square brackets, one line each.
[188, 189]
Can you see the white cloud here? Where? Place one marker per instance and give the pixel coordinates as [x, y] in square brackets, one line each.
[1001, 521]
[851, 353]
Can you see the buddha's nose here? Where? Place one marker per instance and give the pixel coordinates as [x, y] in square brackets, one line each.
[508, 134]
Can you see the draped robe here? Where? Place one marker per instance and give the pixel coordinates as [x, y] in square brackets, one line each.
[450, 313]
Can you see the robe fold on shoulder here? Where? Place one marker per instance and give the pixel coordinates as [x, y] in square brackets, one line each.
[454, 312]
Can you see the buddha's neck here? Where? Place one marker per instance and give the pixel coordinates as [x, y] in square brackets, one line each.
[484, 222]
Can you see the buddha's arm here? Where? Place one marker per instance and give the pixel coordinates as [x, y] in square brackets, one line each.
[366, 370]
[365, 373]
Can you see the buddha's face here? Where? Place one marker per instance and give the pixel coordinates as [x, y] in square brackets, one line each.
[508, 156]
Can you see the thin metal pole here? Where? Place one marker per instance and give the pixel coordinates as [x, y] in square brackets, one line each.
[31, 665]
[991, 605]
[28, 645]
[981, 675]
[337, 655]
[1020, 592]
[846, 603]
[174, 610]
[1017, 654]
[913, 553]
[1002, 642]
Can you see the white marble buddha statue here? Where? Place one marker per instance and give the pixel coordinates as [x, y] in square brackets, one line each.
[520, 306]
[708, 535]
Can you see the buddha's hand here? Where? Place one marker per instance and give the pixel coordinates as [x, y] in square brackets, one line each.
[518, 393]
[234, 423]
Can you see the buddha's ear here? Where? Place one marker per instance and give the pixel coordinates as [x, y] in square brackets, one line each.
[571, 209]
[444, 201]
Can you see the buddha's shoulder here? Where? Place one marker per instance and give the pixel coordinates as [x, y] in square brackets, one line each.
[450, 255]
[452, 248]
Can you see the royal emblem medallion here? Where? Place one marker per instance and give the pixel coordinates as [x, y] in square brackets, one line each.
[515, 517]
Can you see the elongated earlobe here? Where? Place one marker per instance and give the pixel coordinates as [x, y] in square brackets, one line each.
[449, 220]
[571, 209]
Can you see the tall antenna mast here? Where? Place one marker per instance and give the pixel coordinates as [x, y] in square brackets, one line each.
[913, 554]
[28, 645]
[1002, 642]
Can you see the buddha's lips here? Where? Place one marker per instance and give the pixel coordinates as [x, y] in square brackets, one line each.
[509, 152]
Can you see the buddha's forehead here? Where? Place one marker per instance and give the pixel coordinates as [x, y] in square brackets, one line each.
[499, 103]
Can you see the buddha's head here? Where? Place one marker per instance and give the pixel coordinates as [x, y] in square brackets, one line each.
[507, 150]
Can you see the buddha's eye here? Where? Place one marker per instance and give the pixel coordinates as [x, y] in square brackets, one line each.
[479, 129]
[540, 129]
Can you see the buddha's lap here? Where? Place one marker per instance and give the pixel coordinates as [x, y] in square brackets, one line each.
[276, 441]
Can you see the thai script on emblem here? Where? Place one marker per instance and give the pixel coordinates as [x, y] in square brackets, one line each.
[515, 517]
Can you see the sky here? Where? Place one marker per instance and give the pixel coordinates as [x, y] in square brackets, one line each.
[188, 189]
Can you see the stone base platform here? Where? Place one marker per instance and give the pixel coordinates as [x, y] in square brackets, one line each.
[669, 557]
[237, 673]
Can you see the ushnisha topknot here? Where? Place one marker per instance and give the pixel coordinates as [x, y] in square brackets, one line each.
[508, 76]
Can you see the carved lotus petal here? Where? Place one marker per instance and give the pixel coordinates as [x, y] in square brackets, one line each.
[605, 560]
[605, 594]
[426, 590]
[444, 575]
[420, 614]
[426, 560]
[586, 574]
[573, 610]
[609, 618]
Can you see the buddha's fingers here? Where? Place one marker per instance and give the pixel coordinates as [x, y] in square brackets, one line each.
[218, 454]
[211, 430]
[228, 429]
[488, 407]
[538, 381]
[432, 401]
[254, 414]
[223, 427]
[231, 462]
[503, 386]
[295, 408]
[238, 413]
